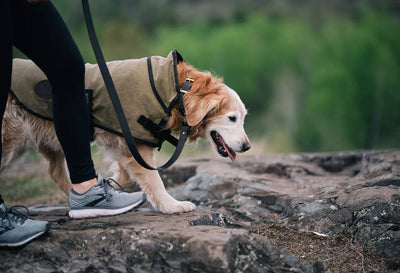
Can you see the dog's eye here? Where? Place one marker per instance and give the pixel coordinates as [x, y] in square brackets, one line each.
[232, 118]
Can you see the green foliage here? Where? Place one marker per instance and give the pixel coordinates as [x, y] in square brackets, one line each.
[249, 55]
[336, 85]
[353, 98]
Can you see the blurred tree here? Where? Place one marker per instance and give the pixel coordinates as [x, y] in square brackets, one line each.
[353, 87]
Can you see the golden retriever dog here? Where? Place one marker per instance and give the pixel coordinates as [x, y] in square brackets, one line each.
[213, 110]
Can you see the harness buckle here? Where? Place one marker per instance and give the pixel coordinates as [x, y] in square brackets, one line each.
[186, 86]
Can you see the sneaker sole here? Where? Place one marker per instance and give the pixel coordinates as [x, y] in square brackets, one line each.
[26, 240]
[89, 213]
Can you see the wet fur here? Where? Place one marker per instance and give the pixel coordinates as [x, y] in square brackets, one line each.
[206, 103]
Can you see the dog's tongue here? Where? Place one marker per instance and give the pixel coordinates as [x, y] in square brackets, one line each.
[231, 154]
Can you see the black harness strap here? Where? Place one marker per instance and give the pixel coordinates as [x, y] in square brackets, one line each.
[153, 86]
[117, 104]
[158, 130]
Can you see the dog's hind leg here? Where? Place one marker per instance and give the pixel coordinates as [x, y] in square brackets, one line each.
[57, 169]
[151, 183]
[14, 137]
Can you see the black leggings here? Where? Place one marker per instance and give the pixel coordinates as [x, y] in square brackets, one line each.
[40, 33]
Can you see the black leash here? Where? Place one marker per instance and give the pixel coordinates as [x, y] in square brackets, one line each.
[117, 104]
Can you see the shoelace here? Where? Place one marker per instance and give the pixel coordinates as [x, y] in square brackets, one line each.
[16, 216]
[105, 183]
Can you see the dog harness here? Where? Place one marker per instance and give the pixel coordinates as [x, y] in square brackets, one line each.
[148, 89]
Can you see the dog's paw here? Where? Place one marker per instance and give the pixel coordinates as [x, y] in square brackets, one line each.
[177, 207]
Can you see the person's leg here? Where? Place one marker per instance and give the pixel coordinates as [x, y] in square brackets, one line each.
[15, 229]
[48, 42]
[5, 63]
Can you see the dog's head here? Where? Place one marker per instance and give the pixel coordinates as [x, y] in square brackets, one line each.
[214, 111]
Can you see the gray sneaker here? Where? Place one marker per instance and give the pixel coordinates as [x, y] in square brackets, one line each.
[103, 200]
[17, 229]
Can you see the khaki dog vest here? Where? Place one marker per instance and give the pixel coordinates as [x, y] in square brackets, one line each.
[146, 87]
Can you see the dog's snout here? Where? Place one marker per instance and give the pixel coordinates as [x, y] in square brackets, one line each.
[246, 146]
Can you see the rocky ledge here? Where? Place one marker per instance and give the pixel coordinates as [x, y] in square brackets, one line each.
[343, 195]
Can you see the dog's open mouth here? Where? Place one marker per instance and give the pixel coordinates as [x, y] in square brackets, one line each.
[222, 148]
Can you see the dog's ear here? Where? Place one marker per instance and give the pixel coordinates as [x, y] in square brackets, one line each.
[197, 109]
[179, 58]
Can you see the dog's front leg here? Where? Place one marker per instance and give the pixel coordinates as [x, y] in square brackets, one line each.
[152, 185]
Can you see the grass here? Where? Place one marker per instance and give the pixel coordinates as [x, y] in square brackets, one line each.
[31, 190]
[26, 182]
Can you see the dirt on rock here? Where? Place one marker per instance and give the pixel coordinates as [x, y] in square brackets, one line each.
[338, 252]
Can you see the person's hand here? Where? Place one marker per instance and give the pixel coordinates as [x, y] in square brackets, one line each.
[35, 1]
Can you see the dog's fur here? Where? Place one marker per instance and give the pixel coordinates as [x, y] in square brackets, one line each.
[210, 105]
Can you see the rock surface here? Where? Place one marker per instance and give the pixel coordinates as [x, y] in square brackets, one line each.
[353, 194]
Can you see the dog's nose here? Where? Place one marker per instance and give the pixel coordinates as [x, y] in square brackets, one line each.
[246, 146]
